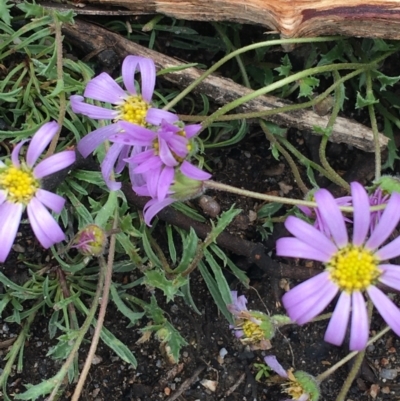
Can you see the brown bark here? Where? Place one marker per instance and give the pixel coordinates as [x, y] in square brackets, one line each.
[291, 18]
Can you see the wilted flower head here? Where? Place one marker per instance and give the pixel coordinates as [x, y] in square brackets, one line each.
[251, 327]
[129, 106]
[300, 386]
[90, 241]
[20, 188]
[351, 267]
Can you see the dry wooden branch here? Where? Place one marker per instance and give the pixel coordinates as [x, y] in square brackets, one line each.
[94, 39]
[291, 18]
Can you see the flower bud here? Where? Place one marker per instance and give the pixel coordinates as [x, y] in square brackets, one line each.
[90, 241]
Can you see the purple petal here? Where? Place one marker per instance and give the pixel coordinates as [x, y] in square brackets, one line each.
[10, 217]
[153, 207]
[49, 199]
[165, 154]
[138, 133]
[40, 141]
[152, 163]
[105, 89]
[304, 297]
[79, 106]
[315, 304]
[140, 157]
[54, 163]
[310, 235]
[387, 223]
[306, 210]
[194, 172]
[362, 215]
[107, 166]
[390, 275]
[152, 178]
[15, 153]
[273, 363]
[340, 318]
[389, 251]
[332, 216]
[294, 248]
[179, 145]
[164, 182]
[192, 130]
[388, 310]
[359, 323]
[94, 139]
[121, 159]
[156, 116]
[147, 71]
[46, 229]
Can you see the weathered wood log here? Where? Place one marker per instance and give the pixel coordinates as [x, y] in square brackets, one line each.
[291, 18]
[93, 39]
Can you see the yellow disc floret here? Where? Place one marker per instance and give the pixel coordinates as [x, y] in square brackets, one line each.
[354, 268]
[252, 331]
[134, 110]
[19, 183]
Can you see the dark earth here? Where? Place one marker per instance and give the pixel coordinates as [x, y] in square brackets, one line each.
[250, 165]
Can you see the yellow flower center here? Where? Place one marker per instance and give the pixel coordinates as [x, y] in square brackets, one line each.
[293, 387]
[19, 183]
[252, 331]
[134, 110]
[353, 268]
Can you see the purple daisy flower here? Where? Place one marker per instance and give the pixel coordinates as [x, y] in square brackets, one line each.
[128, 106]
[163, 152]
[351, 268]
[20, 188]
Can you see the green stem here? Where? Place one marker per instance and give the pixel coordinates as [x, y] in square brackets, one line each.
[275, 42]
[334, 176]
[374, 127]
[231, 48]
[287, 156]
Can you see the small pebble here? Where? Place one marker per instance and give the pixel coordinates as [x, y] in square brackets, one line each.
[209, 205]
[388, 374]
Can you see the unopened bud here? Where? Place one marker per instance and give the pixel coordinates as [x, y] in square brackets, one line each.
[90, 241]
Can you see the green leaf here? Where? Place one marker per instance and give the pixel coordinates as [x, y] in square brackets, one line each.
[385, 80]
[307, 86]
[9, 97]
[175, 340]
[389, 184]
[170, 288]
[4, 13]
[367, 101]
[324, 131]
[38, 390]
[117, 346]
[189, 246]
[171, 244]
[108, 209]
[215, 292]
[286, 67]
[127, 312]
[268, 210]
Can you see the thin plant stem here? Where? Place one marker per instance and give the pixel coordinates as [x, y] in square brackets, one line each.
[270, 198]
[106, 270]
[287, 157]
[334, 176]
[274, 42]
[284, 109]
[230, 48]
[374, 127]
[60, 79]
